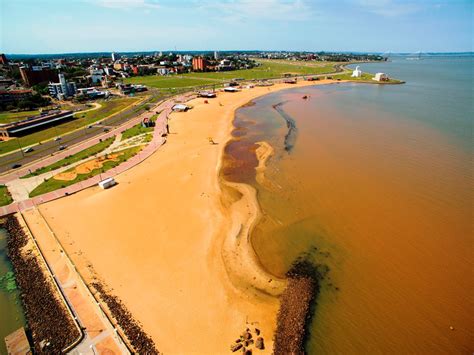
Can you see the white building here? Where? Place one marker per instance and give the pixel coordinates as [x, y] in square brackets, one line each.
[62, 89]
[96, 75]
[381, 77]
[163, 71]
[109, 71]
[216, 55]
[357, 73]
[115, 57]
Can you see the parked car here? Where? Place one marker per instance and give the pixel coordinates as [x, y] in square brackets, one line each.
[62, 147]
[106, 130]
[28, 150]
[16, 166]
[57, 139]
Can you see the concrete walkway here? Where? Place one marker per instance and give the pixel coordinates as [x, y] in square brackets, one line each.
[157, 141]
[99, 332]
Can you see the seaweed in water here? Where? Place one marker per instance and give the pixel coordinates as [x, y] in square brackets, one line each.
[290, 137]
[7, 282]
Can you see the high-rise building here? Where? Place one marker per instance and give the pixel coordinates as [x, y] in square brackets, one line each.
[115, 56]
[216, 55]
[199, 64]
[63, 89]
[36, 74]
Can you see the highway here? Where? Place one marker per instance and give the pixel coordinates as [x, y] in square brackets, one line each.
[50, 147]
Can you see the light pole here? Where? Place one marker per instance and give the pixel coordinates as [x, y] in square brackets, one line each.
[21, 148]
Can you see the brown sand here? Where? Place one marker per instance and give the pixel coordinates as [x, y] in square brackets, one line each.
[172, 246]
[263, 153]
[85, 168]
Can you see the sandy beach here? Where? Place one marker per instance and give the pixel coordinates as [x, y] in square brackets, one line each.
[171, 243]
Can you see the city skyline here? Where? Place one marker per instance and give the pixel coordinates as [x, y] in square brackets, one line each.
[288, 25]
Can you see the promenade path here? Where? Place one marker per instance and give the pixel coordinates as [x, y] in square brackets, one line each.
[160, 129]
[100, 334]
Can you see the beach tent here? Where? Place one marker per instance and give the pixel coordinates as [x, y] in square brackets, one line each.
[381, 77]
[180, 107]
[231, 89]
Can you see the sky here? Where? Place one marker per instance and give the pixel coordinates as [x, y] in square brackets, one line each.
[69, 26]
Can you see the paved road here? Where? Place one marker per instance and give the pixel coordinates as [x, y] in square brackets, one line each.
[50, 147]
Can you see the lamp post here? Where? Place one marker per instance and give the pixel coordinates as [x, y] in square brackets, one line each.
[21, 148]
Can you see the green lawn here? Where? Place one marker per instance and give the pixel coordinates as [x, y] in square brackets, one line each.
[7, 117]
[108, 108]
[268, 69]
[51, 184]
[365, 78]
[135, 131]
[168, 82]
[5, 197]
[86, 153]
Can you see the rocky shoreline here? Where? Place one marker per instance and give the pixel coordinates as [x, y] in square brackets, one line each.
[296, 308]
[48, 323]
[141, 342]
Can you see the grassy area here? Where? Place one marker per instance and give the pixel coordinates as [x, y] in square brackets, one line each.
[86, 153]
[5, 197]
[365, 78]
[108, 108]
[52, 184]
[135, 131]
[7, 117]
[268, 69]
[165, 82]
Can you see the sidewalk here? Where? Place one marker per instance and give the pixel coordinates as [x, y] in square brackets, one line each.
[157, 141]
[100, 334]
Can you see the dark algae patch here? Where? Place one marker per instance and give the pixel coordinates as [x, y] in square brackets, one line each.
[7, 282]
[290, 137]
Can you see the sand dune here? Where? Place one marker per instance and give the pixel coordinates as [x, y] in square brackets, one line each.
[166, 239]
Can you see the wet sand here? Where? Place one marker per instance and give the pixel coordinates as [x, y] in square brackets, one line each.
[171, 244]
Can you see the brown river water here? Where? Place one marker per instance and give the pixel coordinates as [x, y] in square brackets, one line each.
[383, 201]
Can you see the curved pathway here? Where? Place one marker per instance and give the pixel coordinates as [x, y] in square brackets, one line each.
[157, 141]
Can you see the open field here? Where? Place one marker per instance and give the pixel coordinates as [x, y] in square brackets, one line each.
[108, 108]
[52, 184]
[267, 70]
[165, 82]
[7, 117]
[97, 148]
[365, 78]
[5, 197]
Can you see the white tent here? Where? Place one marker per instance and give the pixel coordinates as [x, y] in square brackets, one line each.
[381, 77]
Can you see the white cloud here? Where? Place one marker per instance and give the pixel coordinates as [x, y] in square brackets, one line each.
[127, 4]
[389, 8]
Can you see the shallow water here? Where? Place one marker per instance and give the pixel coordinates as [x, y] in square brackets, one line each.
[378, 187]
[11, 313]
